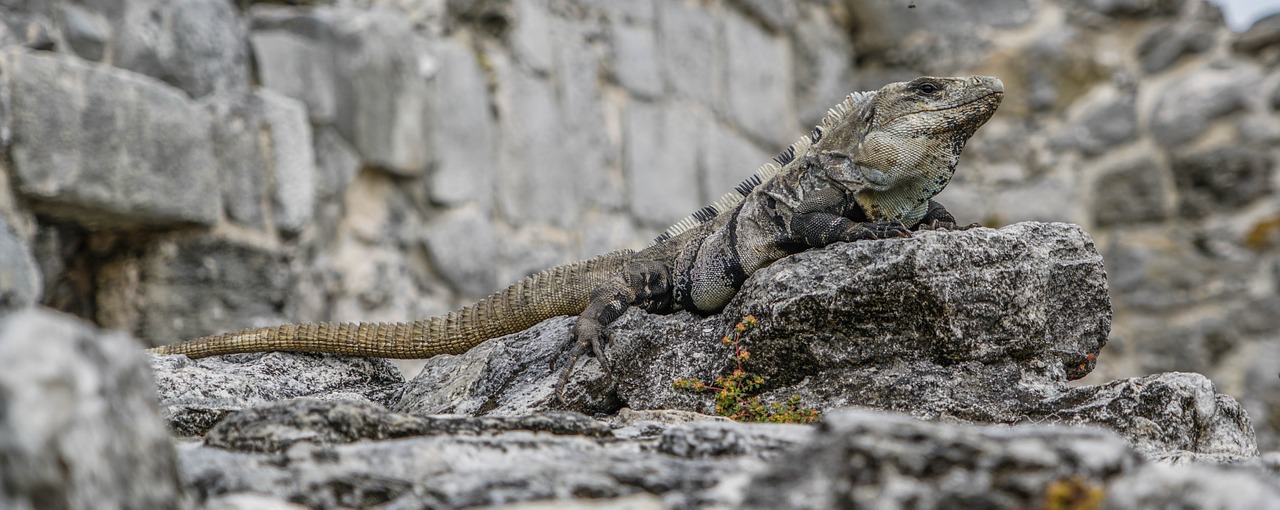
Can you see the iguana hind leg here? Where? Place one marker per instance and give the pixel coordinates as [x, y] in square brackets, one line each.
[645, 284]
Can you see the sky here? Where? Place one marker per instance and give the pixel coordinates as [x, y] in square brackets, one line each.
[1242, 13]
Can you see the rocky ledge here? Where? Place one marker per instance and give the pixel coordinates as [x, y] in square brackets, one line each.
[958, 346]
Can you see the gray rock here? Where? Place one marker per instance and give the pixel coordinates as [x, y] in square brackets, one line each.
[727, 159]
[775, 15]
[180, 289]
[196, 394]
[275, 426]
[758, 88]
[1161, 415]
[242, 160]
[293, 193]
[660, 145]
[79, 427]
[507, 376]
[531, 34]
[1157, 486]
[875, 460]
[107, 147]
[1263, 34]
[1184, 111]
[687, 35]
[29, 25]
[1171, 267]
[300, 64]
[337, 163]
[1101, 124]
[210, 47]
[327, 454]
[539, 180]
[1135, 8]
[635, 58]
[486, 461]
[194, 45]
[86, 32]
[21, 283]
[1132, 192]
[464, 128]
[1164, 45]
[1261, 394]
[465, 248]
[824, 56]
[1221, 179]
[940, 36]
[363, 70]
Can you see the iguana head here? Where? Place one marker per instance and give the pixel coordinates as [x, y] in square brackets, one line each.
[904, 140]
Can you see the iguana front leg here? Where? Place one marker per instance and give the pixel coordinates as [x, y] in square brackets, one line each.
[938, 218]
[814, 225]
[646, 284]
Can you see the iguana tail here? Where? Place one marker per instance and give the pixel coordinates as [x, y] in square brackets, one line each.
[563, 290]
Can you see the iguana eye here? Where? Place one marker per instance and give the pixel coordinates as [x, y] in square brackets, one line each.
[928, 87]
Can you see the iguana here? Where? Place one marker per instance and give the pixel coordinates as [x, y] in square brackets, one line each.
[868, 171]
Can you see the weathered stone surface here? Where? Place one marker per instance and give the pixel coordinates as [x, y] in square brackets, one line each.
[1133, 8]
[688, 38]
[465, 247]
[194, 45]
[182, 289]
[681, 464]
[872, 460]
[293, 194]
[196, 394]
[275, 426]
[79, 427]
[1161, 415]
[1262, 392]
[1165, 45]
[1183, 111]
[87, 32]
[363, 70]
[822, 54]
[107, 147]
[1156, 486]
[336, 165]
[1221, 179]
[727, 159]
[507, 376]
[237, 126]
[758, 97]
[1105, 120]
[1132, 192]
[538, 179]
[465, 130]
[21, 283]
[319, 453]
[661, 144]
[1263, 34]
[635, 60]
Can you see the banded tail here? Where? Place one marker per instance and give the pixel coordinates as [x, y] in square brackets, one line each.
[562, 290]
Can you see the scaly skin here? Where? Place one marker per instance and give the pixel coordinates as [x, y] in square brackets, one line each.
[562, 290]
[869, 171]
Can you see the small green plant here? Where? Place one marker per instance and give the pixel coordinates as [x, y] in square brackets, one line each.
[734, 397]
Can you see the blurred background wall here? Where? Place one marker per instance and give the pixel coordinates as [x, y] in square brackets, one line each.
[180, 167]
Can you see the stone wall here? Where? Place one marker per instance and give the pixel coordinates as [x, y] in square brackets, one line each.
[179, 167]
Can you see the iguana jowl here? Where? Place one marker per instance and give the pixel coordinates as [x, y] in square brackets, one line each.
[869, 171]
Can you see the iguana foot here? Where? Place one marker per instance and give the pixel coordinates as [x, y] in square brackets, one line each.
[877, 230]
[593, 344]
